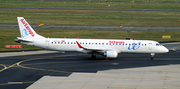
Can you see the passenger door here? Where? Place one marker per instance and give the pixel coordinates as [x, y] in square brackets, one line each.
[150, 46]
[47, 44]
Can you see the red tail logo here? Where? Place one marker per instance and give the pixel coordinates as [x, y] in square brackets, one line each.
[27, 27]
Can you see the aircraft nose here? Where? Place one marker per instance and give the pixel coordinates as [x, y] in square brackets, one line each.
[165, 49]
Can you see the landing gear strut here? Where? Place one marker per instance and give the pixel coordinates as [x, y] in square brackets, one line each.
[93, 56]
[152, 56]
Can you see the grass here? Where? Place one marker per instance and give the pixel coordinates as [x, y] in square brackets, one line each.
[8, 35]
[123, 4]
[83, 17]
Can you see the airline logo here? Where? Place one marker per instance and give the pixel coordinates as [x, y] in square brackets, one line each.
[24, 33]
[134, 46]
[26, 25]
[62, 40]
[121, 42]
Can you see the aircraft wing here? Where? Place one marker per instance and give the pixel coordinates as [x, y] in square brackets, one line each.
[94, 50]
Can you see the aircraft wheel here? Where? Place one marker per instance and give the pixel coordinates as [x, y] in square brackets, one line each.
[152, 56]
[93, 56]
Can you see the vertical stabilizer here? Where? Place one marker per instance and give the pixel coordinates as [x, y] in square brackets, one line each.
[25, 29]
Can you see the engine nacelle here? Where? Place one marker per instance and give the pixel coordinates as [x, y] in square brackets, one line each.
[111, 54]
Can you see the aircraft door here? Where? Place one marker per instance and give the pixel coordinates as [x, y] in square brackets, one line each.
[47, 44]
[150, 46]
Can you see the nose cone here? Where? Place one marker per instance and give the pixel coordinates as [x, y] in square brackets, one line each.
[165, 49]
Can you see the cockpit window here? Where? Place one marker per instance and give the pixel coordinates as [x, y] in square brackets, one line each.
[157, 44]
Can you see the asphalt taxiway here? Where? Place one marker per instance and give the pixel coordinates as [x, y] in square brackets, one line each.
[72, 70]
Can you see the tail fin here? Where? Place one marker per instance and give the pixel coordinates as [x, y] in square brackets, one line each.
[25, 29]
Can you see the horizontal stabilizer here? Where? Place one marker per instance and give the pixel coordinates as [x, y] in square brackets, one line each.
[20, 40]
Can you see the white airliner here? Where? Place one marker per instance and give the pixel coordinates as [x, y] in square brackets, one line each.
[106, 47]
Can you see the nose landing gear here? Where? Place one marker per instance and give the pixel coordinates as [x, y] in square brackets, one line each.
[152, 56]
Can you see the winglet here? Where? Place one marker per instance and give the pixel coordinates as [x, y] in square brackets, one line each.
[79, 45]
[77, 37]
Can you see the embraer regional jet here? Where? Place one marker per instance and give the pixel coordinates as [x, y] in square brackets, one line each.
[106, 47]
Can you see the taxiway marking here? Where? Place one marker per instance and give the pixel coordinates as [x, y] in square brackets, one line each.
[174, 49]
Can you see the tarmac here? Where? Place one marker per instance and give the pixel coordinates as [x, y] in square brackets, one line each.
[97, 9]
[71, 70]
[154, 77]
[80, 27]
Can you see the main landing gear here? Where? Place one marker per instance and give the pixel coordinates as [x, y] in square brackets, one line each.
[93, 56]
[152, 56]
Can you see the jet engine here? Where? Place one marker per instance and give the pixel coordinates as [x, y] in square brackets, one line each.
[110, 54]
